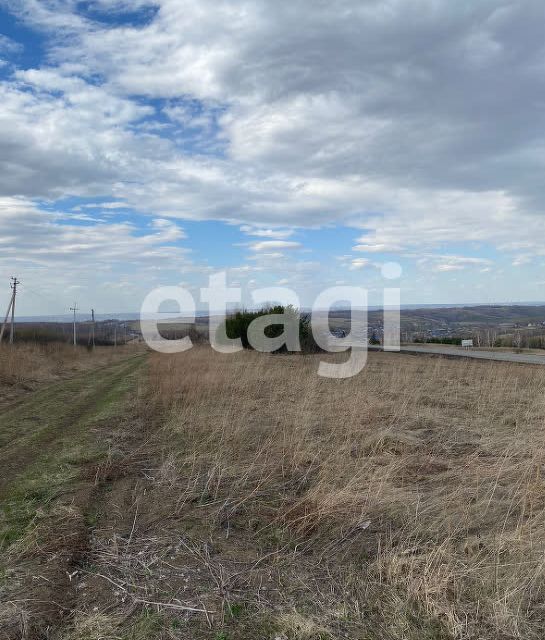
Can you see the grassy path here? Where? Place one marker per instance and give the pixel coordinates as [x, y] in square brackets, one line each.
[50, 447]
[53, 420]
[47, 442]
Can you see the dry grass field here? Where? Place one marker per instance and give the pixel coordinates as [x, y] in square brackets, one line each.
[27, 366]
[242, 497]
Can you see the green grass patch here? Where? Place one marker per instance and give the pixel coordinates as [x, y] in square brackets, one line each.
[147, 626]
[56, 466]
[33, 493]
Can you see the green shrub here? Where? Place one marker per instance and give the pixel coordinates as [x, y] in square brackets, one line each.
[237, 325]
[455, 341]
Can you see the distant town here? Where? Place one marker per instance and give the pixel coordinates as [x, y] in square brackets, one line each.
[487, 325]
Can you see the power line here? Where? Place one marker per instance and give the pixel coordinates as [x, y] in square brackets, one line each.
[36, 293]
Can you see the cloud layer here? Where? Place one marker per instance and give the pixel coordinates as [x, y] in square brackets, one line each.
[419, 124]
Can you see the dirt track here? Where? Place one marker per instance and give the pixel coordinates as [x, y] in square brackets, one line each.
[49, 417]
[55, 452]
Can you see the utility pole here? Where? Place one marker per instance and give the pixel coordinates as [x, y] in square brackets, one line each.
[115, 334]
[74, 309]
[11, 307]
[14, 283]
[91, 340]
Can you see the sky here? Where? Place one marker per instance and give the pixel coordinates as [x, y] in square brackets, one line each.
[298, 143]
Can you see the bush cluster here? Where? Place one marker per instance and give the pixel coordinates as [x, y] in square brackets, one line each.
[238, 324]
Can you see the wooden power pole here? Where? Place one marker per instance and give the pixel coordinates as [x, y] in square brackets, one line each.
[11, 307]
[74, 309]
[91, 340]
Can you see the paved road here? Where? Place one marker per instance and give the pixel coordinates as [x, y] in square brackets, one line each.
[501, 356]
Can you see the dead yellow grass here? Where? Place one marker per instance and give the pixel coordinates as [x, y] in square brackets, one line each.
[31, 364]
[419, 484]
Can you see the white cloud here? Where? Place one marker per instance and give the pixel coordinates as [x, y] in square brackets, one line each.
[521, 260]
[449, 267]
[9, 46]
[268, 245]
[269, 257]
[49, 254]
[277, 234]
[34, 236]
[359, 263]
[446, 263]
[168, 231]
[104, 205]
[416, 123]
